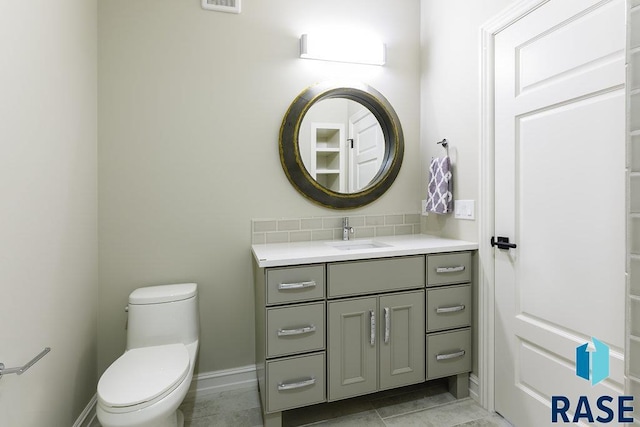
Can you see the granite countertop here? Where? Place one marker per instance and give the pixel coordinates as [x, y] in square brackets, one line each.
[283, 254]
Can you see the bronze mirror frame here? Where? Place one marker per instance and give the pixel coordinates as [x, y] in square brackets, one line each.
[290, 151]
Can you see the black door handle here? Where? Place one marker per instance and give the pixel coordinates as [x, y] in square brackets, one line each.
[503, 243]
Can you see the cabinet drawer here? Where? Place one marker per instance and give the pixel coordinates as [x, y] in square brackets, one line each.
[295, 381]
[448, 307]
[295, 329]
[295, 284]
[448, 268]
[448, 353]
[363, 277]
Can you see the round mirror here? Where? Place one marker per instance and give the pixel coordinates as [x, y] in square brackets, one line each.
[341, 145]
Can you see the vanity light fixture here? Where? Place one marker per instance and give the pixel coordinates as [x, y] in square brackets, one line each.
[231, 6]
[353, 48]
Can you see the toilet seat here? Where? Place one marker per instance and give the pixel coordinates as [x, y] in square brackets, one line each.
[142, 376]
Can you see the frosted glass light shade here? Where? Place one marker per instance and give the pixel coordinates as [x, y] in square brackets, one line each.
[343, 48]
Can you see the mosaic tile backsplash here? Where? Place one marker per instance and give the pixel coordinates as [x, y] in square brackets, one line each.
[286, 230]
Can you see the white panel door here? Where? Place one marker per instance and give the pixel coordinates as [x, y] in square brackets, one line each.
[560, 196]
[367, 151]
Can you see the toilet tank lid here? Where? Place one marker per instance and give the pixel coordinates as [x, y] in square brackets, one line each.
[163, 293]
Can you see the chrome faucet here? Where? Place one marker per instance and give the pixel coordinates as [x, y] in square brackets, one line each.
[346, 230]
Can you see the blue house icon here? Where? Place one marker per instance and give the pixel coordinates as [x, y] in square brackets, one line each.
[593, 365]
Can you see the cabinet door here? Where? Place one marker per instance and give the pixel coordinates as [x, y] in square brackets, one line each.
[352, 347]
[401, 339]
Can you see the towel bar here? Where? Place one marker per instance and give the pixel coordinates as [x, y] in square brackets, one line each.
[22, 369]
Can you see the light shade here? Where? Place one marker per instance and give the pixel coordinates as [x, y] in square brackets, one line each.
[352, 48]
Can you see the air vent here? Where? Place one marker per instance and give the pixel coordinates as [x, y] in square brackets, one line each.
[231, 6]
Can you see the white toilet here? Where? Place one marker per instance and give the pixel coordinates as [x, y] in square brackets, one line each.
[145, 386]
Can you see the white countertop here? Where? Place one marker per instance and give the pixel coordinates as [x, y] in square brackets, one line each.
[282, 254]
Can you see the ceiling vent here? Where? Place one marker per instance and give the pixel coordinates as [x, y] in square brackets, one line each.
[231, 6]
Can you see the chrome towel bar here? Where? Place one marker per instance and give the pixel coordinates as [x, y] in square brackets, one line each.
[21, 370]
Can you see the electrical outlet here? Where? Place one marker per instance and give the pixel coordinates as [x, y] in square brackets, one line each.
[423, 208]
[464, 209]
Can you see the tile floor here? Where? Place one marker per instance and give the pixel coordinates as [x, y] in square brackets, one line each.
[426, 405]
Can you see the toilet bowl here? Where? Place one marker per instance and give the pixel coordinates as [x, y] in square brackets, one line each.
[145, 386]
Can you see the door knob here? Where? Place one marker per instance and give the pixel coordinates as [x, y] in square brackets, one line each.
[502, 243]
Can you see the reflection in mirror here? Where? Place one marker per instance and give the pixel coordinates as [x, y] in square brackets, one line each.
[341, 144]
[315, 144]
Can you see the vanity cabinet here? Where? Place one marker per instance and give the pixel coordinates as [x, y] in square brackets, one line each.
[339, 329]
[375, 343]
[448, 318]
[290, 337]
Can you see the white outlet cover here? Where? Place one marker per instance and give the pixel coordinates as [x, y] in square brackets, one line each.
[464, 209]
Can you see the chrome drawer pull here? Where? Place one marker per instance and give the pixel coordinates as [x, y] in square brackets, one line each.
[453, 309]
[450, 355]
[298, 285]
[372, 320]
[386, 325]
[299, 331]
[450, 269]
[296, 384]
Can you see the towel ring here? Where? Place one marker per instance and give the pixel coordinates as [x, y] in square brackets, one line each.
[444, 143]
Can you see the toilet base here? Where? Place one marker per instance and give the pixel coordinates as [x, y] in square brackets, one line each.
[180, 419]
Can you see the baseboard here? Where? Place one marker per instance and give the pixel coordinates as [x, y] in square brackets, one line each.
[474, 387]
[202, 384]
[223, 380]
[88, 415]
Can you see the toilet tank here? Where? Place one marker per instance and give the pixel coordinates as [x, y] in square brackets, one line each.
[166, 314]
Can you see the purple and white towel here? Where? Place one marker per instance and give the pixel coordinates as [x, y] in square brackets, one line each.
[440, 188]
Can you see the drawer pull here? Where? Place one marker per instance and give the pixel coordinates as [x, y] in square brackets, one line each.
[387, 325]
[450, 269]
[453, 309]
[450, 355]
[298, 285]
[296, 384]
[298, 331]
[372, 322]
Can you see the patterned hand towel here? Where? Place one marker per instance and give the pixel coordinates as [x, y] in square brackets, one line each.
[440, 189]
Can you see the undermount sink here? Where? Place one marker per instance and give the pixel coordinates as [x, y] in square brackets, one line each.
[351, 245]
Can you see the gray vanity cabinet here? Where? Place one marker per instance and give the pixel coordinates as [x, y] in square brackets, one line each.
[334, 330]
[448, 320]
[353, 358]
[375, 343]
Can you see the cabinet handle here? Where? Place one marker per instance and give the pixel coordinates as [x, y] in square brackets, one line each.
[386, 325]
[298, 285]
[453, 309]
[450, 269]
[298, 331]
[372, 320]
[450, 355]
[296, 384]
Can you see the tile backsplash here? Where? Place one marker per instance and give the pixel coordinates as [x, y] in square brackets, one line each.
[285, 230]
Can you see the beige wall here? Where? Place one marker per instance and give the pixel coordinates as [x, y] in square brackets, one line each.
[450, 98]
[190, 105]
[48, 209]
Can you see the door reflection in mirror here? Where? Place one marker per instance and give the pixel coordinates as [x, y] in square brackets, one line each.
[341, 144]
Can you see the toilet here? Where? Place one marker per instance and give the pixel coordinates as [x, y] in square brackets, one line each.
[145, 386]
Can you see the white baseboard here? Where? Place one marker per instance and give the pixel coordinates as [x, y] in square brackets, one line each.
[474, 387]
[202, 384]
[88, 415]
[223, 380]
